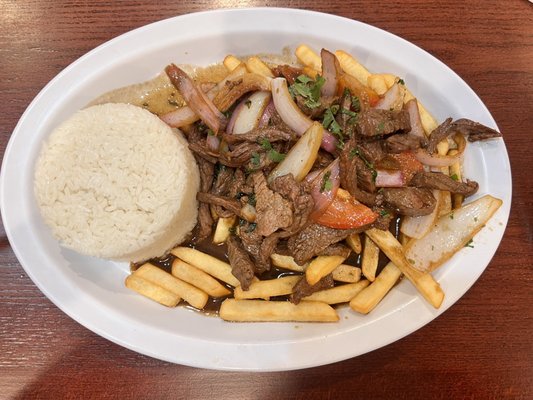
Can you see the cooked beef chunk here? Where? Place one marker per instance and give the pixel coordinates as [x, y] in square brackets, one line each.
[438, 134]
[314, 239]
[200, 150]
[302, 201]
[303, 289]
[366, 176]
[287, 72]
[259, 247]
[409, 201]
[242, 266]
[404, 142]
[337, 249]
[205, 220]
[384, 218]
[256, 135]
[437, 180]
[238, 187]
[222, 181]
[273, 211]
[241, 153]
[316, 112]
[323, 159]
[268, 246]
[349, 162]
[371, 151]
[233, 206]
[375, 122]
[475, 130]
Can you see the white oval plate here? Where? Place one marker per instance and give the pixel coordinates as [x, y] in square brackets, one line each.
[92, 292]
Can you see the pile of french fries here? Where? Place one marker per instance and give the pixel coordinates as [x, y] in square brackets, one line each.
[423, 246]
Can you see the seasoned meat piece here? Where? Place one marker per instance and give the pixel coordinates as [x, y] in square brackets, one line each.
[303, 289]
[287, 72]
[409, 200]
[314, 239]
[371, 151]
[384, 217]
[237, 186]
[222, 181]
[366, 176]
[337, 249]
[348, 173]
[200, 150]
[231, 205]
[302, 201]
[438, 134]
[475, 130]
[204, 226]
[273, 211]
[438, 180]
[375, 122]
[257, 246]
[323, 159]
[255, 135]
[241, 153]
[242, 266]
[404, 142]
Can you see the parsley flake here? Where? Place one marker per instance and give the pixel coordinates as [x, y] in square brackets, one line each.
[454, 177]
[309, 89]
[470, 243]
[327, 184]
[255, 159]
[248, 103]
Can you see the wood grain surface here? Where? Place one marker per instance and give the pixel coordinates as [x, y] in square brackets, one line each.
[481, 348]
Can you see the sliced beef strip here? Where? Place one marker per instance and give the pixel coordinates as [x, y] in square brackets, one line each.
[372, 151]
[301, 199]
[257, 246]
[233, 206]
[240, 155]
[375, 122]
[256, 135]
[200, 150]
[303, 289]
[438, 134]
[273, 211]
[409, 201]
[403, 142]
[314, 239]
[222, 181]
[205, 220]
[475, 130]
[337, 249]
[242, 266]
[288, 72]
[366, 177]
[385, 216]
[438, 180]
[348, 173]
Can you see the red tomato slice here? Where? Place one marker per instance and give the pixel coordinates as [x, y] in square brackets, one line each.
[346, 213]
[409, 165]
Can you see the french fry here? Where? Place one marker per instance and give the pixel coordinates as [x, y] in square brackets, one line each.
[370, 296]
[198, 278]
[223, 229]
[451, 233]
[276, 311]
[455, 173]
[310, 72]
[286, 262]
[308, 57]
[321, 266]
[152, 291]
[381, 82]
[338, 294]
[212, 265]
[192, 295]
[354, 241]
[269, 288]
[231, 62]
[352, 67]
[424, 282]
[370, 259]
[255, 65]
[346, 273]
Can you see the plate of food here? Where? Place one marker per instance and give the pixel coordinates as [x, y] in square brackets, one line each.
[212, 191]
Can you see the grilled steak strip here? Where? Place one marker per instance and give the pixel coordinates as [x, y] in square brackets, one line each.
[303, 289]
[437, 180]
[242, 266]
[409, 201]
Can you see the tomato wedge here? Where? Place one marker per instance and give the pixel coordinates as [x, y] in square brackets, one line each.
[345, 212]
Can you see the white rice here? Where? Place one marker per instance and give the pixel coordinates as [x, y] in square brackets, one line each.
[116, 182]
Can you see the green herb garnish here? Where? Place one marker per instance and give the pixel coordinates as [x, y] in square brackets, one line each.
[255, 159]
[470, 243]
[401, 81]
[248, 103]
[272, 153]
[383, 213]
[309, 89]
[454, 177]
[327, 184]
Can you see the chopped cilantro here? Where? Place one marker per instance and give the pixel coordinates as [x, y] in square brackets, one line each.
[475, 219]
[454, 177]
[401, 81]
[451, 216]
[275, 155]
[309, 89]
[255, 159]
[432, 247]
[232, 230]
[369, 165]
[251, 227]
[248, 103]
[327, 185]
[348, 112]
[470, 243]
[356, 103]
[210, 132]
[383, 213]
[265, 143]
[411, 260]
[330, 123]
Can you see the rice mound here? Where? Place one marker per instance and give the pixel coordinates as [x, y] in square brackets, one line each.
[116, 182]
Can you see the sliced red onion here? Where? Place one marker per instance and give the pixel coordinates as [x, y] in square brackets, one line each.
[213, 143]
[248, 113]
[195, 98]
[330, 73]
[267, 114]
[414, 118]
[322, 196]
[437, 160]
[391, 98]
[293, 116]
[389, 178]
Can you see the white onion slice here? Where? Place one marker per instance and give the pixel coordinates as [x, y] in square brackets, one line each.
[248, 113]
[330, 73]
[392, 99]
[321, 196]
[437, 160]
[291, 114]
[450, 234]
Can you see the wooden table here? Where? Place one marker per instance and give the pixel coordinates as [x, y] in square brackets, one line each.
[481, 348]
